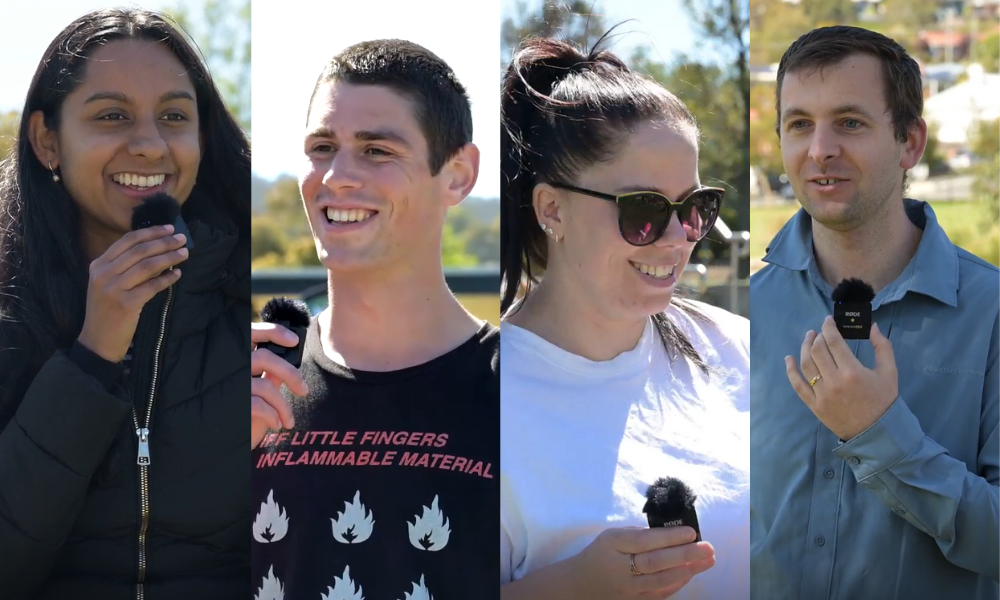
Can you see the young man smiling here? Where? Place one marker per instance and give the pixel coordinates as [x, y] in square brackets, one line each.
[876, 464]
[386, 487]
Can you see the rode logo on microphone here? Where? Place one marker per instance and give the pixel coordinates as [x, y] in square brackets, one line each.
[674, 523]
[852, 314]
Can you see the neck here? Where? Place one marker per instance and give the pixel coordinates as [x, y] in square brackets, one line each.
[876, 252]
[386, 321]
[95, 242]
[561, 315]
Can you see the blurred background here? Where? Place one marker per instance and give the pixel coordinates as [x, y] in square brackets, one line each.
[957, 43]
[294, 40]
[698, 50]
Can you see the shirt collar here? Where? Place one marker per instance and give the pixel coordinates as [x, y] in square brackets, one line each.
[933, 270]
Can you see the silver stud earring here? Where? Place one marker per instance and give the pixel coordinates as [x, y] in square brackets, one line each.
[55, 177]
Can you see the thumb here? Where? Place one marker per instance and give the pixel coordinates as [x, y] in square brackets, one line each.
[885, 358]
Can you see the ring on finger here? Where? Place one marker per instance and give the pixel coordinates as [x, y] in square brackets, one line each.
[631, 565]
[815, 380]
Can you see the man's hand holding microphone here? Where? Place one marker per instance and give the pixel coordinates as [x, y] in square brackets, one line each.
[274, 360]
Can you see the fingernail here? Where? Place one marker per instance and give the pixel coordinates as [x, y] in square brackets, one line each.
[183, 252]
[179, 237]
[168, 228]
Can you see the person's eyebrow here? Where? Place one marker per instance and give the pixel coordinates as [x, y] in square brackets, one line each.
[843, 109]
[652, 188]
[114, 96]
[856, 109]
[320, 132]
[124, 99]
[382, 135]
[177, 95]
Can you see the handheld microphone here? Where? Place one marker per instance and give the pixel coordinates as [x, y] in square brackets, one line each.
[670, 503]
[852, 309]
[293, 315]
[161, 209]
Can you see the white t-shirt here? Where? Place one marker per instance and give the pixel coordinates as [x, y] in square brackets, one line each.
[581, 442]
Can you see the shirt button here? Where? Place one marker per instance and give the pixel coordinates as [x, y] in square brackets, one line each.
[899, 511]
[820, 541]
[854, 460]
[828, 473]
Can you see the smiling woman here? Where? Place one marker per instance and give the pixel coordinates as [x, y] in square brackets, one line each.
[610, 382]
[123, 353]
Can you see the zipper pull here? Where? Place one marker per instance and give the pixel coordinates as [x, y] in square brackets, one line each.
[143, 434]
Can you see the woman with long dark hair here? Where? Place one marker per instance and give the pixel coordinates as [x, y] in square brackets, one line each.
[123, 354]
[610, 382]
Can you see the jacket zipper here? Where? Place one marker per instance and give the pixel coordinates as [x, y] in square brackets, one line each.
[143, 458]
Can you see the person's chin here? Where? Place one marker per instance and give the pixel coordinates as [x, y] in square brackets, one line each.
[347, 260]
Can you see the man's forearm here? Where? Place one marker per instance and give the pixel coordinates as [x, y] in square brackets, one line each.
[916, 478]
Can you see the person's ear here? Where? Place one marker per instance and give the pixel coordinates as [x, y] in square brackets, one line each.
[460, 173]
[44, 141]
[548, 202]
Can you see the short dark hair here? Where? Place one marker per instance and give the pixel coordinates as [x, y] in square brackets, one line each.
[829, 46]
[441, 103]
[562, 111]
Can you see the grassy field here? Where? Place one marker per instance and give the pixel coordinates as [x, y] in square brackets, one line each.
[960, 220]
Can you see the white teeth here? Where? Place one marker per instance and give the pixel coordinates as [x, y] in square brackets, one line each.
[348, 216]
[139, 181]
[827, 181]
[658, 272]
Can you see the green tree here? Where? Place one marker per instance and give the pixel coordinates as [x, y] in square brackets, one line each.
[985, 187]
[988, 52]
[765, 149]
[302, 252]
[8, 131]
[724, 25]
[936, 163]
[283, 206]
[222, 33]
[265, 238]
[484, 242]
[774, 25]
[453, 252]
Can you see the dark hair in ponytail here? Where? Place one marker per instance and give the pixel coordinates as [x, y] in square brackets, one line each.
[561, 112]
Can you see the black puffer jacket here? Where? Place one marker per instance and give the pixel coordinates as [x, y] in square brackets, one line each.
[71, 515]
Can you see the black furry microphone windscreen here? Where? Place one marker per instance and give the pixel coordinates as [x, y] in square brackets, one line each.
[852, 309]
[161, 209]
[670, 503]
[293, 315]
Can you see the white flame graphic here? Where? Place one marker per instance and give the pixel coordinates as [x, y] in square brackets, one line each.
[271, 521]
[419, 592]
[353, 526]
[343, 588]
[271, 589]
[430, 530]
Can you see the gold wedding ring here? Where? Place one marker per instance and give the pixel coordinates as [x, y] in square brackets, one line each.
[631, 565]
[815, 380]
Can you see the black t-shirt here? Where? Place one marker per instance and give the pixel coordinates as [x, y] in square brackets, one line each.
[388, 487]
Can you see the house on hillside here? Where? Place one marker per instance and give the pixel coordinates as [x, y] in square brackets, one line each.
[958, 109]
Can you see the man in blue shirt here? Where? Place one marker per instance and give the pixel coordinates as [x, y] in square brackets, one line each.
[875, 462]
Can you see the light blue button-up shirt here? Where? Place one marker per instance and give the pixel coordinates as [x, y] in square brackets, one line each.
[910, 508]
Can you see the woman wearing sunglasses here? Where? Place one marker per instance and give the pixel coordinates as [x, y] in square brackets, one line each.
[609, 382]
